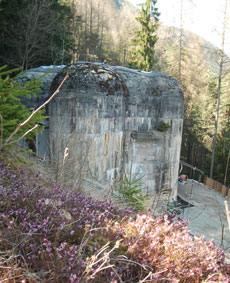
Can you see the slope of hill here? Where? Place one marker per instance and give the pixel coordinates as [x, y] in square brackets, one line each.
[191, 42]
[169, 34]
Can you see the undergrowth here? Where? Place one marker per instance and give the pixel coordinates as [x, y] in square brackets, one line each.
[53, 234]
[130, 191]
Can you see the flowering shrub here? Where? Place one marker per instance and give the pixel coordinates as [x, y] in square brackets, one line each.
[169, 251]
[50, 228]
[57, 235]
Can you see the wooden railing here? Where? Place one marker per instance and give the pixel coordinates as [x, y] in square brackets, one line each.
[217, 186]
[222, 189]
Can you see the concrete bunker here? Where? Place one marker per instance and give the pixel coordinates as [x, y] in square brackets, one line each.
[112, 119]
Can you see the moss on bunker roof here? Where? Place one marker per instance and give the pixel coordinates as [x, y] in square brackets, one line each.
[83, 75]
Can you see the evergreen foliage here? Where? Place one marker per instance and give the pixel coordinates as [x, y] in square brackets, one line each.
[142, 56]
[12, 110]
[130, 190]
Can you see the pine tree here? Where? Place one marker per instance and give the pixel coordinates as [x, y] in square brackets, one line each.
[142, 55]
[12, 111]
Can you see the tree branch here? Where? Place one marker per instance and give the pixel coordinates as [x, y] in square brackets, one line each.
[1, 133]
[26, 133]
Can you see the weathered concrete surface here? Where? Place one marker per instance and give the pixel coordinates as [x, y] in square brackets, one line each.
[46, 75]
[153, 98]
[108, 117]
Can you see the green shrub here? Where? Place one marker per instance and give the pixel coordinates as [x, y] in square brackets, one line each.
[130, 190]
[12, 111]
[162, 126]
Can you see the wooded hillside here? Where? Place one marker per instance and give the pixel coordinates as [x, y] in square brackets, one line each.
[44, 32]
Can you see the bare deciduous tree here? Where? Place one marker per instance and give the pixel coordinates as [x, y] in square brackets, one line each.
[37, 32]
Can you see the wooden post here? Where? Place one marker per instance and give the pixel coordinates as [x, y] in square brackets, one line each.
[224, 190]
[229, 193]
[205, 180]
[227, 214]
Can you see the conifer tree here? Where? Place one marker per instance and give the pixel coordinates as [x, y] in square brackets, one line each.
[142, 55]
[12, 111]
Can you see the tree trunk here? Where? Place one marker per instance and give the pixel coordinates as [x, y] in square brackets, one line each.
[180, 40]
[219, 90]
[226, 169]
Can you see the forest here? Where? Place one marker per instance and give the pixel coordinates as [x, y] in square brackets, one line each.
[57, 32]
[50, 232]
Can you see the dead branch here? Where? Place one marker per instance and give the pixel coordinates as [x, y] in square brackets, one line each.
[1, 134]
[25, 134]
